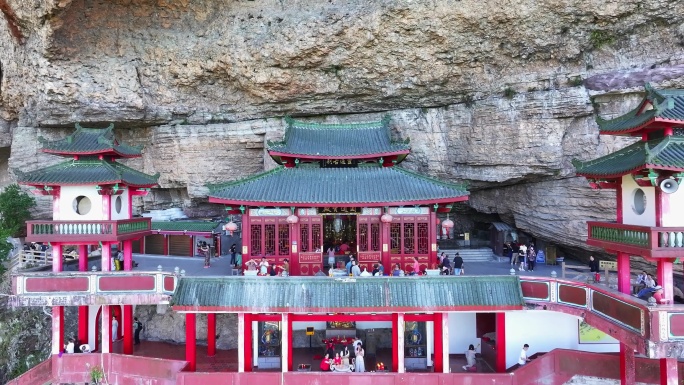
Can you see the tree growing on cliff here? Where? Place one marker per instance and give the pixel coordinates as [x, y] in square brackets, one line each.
[15, 208]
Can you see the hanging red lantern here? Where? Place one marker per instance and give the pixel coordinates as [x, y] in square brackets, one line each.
[292, 219]
[230, 227]
[386, 218]
[448, 224]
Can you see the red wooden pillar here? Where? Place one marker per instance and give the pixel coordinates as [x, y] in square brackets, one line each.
[618, 197]
[57, 329]
[165, 250]
[432, 233]
[57, 311]
[248, 342]
[246, 239]
[128, 255]
[289, 343]
[624, 273]
[106, 320]
[668, 371]
[211, 334]
[142, 245]
[438, 362]
[395, 342]
[385, 242]
[501, 342]
[83, 310]
[127, 322]
[191, 341]
[295, 242]
[193, 247]
[665, 278]
[106, 259]
[627, 365]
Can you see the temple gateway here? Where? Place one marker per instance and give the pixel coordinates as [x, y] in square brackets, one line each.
[339, 186]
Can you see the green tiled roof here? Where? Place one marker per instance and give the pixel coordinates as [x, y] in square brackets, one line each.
[338, 140]
[668, 105]
[311, 185]
[90, 141]
[667, 152]
[308, 294]
[191, 226]
[86, 172]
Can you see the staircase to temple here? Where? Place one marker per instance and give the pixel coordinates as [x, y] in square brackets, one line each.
[471, 255]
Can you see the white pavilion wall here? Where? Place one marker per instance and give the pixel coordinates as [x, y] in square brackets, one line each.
[122, 213]
[545, 331]
[67, 199]
[629, 215]
[672, 209]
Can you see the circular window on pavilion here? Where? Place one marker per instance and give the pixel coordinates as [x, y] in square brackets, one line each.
[82, 205]
[117, 204]
[639, 201]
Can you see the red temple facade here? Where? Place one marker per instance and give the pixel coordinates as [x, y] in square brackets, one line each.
[339, 186]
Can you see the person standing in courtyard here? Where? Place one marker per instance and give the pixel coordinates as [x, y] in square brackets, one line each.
[522, 255]
[416, 266]
[359, 365]
[458, 264]
[204, 249]
[115, 329]
[233, 251]
[594, 268]
[137, 328]
[531, 258]
[523, 359]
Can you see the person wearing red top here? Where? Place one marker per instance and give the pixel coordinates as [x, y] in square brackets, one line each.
[416, 266]
[337, 360]
[325, 363]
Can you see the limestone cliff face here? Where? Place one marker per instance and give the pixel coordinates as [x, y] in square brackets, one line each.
[497, 94]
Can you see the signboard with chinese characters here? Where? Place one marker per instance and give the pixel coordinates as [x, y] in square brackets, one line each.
[339, 163]
[339, 210]
[269, 212]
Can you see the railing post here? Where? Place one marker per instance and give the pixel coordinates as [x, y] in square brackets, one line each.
[653, 239]
[563, 269]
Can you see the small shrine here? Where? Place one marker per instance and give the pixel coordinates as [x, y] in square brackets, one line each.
[339, 191]
[646, 177]
[92, 200]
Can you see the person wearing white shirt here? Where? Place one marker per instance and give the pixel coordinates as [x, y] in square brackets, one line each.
[522, 257]
[263, 266]
[365, 273]
[69, 348]
[470, 357]
[522, 360]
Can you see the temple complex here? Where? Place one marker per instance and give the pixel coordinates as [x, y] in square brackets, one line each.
[339, 191]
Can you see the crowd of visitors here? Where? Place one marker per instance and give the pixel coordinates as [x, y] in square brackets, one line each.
[521, 255]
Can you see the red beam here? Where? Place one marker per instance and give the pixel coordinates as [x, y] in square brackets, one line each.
[340, 317]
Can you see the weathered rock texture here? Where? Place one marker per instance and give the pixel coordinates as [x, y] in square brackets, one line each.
[497, 94]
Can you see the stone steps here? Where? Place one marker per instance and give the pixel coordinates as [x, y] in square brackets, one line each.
[471, 255]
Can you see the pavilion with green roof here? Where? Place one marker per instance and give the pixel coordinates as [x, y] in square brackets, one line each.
[339, 186]
[646, 176]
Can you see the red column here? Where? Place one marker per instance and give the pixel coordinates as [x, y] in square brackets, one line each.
[289, 344]
[106, 261]
[395, 342]
[433, 238]
[385, 242]
[128, 255]
[211, 334]
[248, 340]
[501, 342]
[166, 245]
[57, 311]
[190, 341]
[618, 198]
[106, 320]
[83, 310]
[193, 247]
[127, 323]
[624, 273]
[668, 371]
[142, 246]
[295, 242]
[439, 344]
[246, 235]
[665, 278]
[627, 365]
[57, 329]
